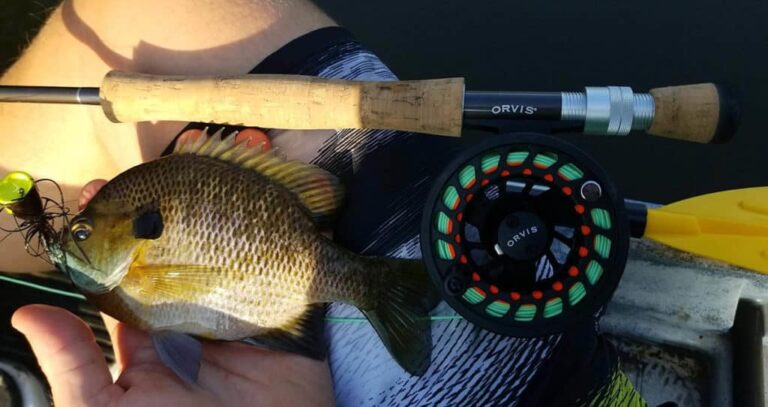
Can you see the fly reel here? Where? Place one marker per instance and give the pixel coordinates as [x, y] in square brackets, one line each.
[525, 235]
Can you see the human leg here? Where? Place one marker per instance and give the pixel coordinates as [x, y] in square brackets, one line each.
[82, 40]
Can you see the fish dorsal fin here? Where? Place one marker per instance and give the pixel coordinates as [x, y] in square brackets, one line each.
[318, 190]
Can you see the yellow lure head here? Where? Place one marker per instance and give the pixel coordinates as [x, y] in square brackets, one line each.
[14, 187]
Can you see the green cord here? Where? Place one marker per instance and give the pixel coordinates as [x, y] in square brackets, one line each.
[445, 318]
[42, 288]
[362, 320]
[342, 320]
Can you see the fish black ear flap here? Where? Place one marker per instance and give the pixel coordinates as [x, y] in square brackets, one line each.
[306, 338]
[148, 225]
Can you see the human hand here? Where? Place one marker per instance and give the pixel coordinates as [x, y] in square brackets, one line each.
[230, 373]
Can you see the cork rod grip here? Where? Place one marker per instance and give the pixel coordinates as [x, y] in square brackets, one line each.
[702, 113]
[287, 102]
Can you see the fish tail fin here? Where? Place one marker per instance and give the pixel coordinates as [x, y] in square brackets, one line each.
[401, 314]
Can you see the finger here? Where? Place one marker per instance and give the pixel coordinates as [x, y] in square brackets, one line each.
[68, 355]
[138, 363]
[254, 137]
[89, 191]
[189, 135]
[274, 376]
[132, 346]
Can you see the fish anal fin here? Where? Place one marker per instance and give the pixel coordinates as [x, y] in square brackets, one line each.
[319, 191]
[305, 337]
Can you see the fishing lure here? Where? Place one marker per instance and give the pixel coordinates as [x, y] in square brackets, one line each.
[35, 216]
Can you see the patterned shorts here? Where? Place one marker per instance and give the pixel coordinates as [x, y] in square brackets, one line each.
[387, 175]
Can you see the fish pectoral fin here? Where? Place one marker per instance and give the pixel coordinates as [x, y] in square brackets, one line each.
[319, 191]
[305, 338]
[179, 352]
[179, 281]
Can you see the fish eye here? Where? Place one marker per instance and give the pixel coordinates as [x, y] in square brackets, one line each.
[81, 230]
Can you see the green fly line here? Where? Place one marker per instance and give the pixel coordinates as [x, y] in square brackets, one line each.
[39, 287]
[361, 320]
[335, 320]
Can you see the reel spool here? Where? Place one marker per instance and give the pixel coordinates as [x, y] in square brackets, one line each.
[525, 235]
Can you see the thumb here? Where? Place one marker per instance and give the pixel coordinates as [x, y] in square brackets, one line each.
[89, 191]
[68, 355]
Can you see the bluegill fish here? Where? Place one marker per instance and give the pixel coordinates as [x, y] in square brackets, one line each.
[219, 241]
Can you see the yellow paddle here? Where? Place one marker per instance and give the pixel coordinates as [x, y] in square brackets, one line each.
[730, 226]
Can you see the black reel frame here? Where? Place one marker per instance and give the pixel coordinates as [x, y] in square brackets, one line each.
[525, 235]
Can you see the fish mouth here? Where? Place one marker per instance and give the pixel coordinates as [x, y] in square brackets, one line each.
[85, 283]
[56, 254]
[80, 271]
[87, 277]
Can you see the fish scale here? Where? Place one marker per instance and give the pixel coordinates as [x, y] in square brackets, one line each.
[276, 288]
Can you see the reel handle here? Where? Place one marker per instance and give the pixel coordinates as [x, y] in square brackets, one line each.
[287, 101]
[702, 113]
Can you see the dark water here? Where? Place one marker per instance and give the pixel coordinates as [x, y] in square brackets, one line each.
[559, 45]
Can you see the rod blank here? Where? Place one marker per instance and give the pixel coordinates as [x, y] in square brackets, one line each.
[50, 94]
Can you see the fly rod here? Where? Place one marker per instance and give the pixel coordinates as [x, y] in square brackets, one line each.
[701, 113]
